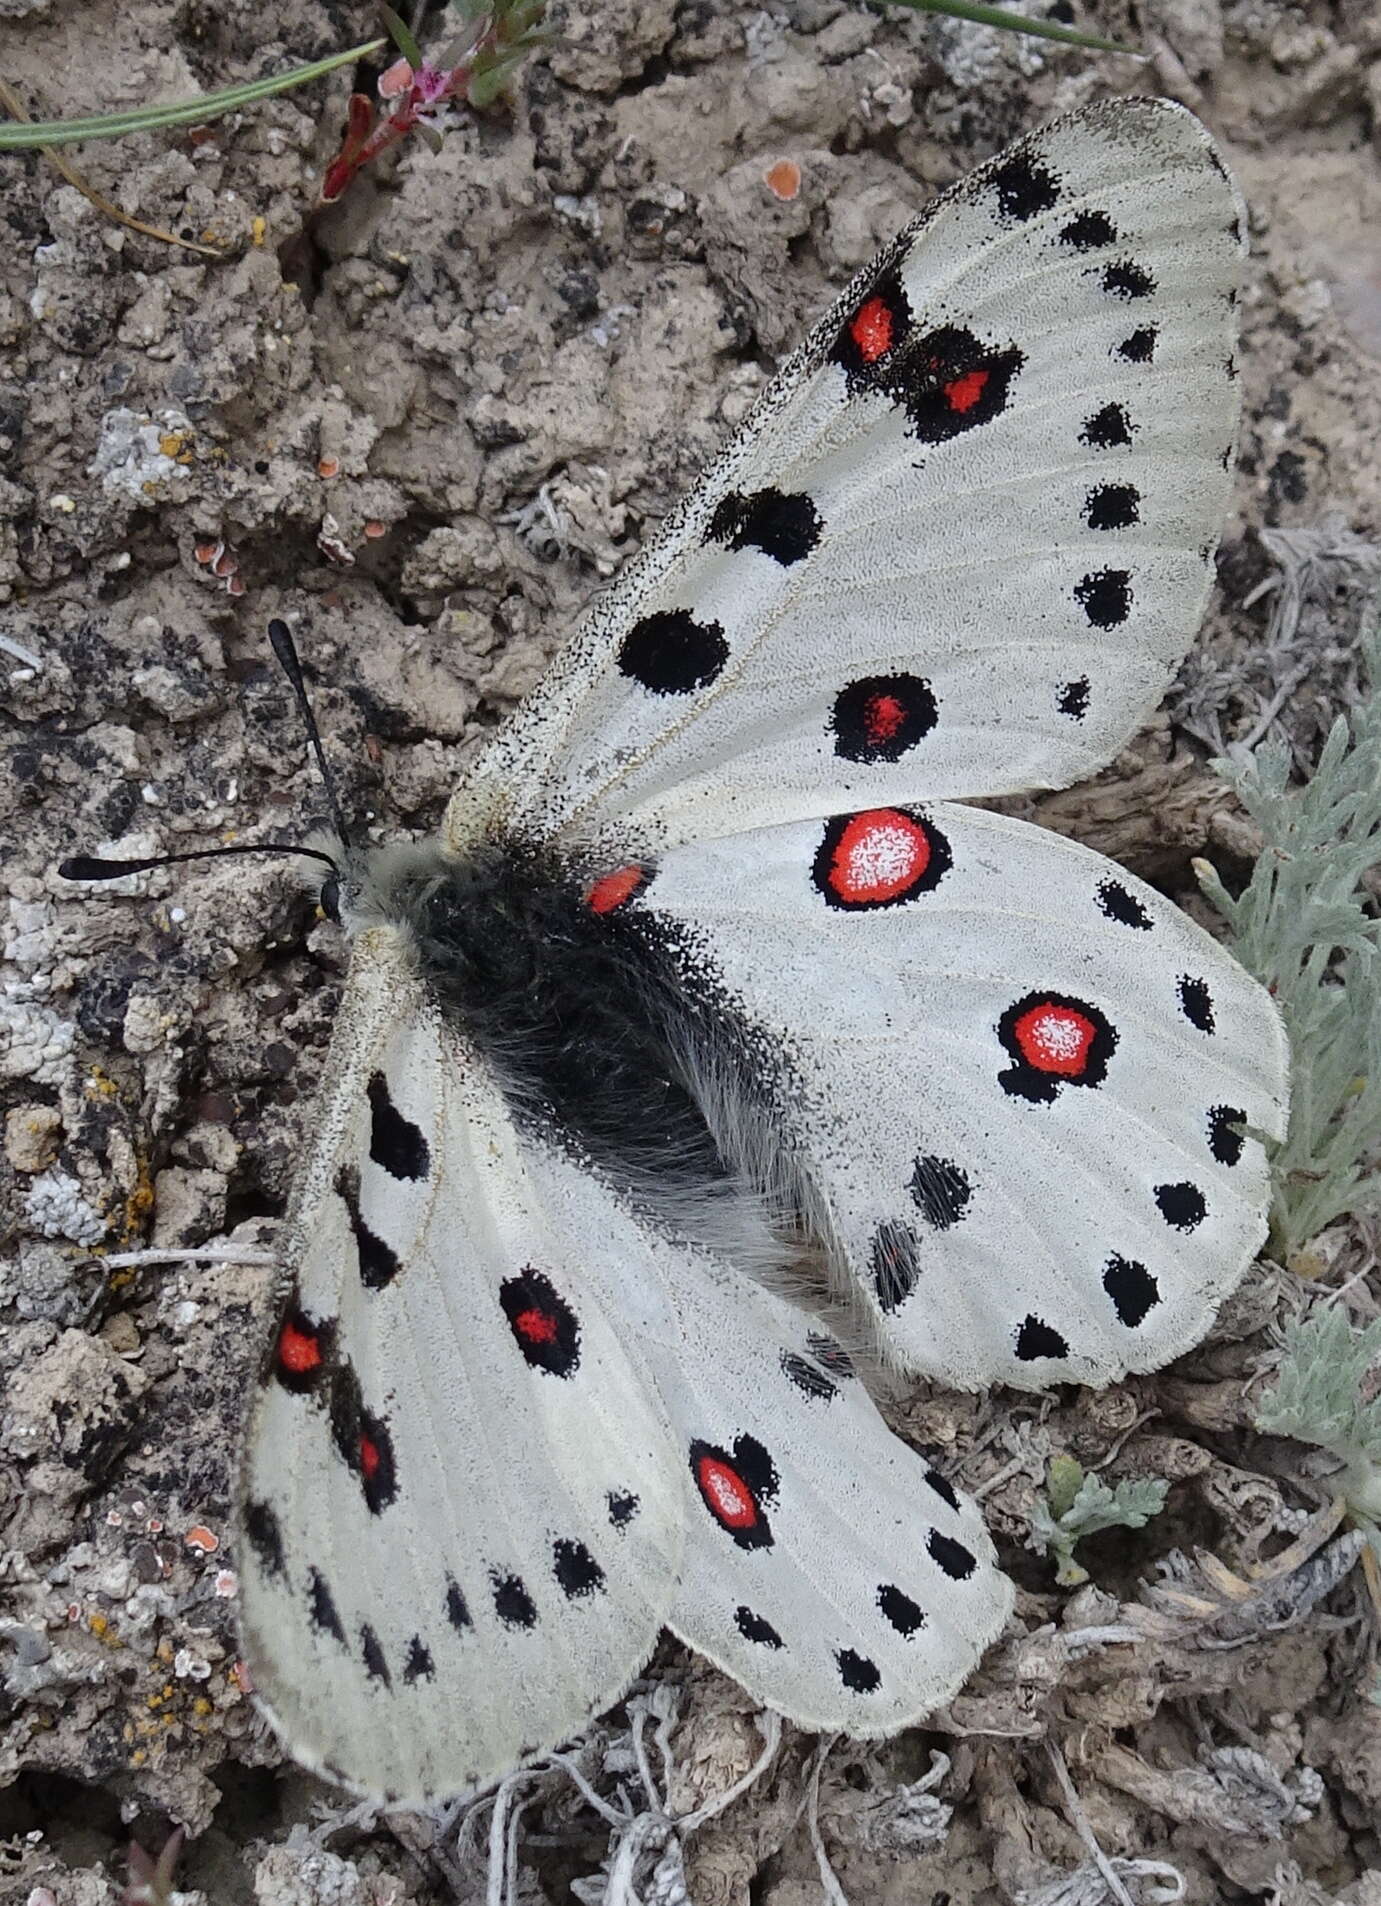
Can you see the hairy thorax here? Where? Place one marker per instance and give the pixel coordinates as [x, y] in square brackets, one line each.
[584, 1015]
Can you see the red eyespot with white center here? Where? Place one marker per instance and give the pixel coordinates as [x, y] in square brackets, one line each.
[1054, 1041]
[728, 1497]
[734, 1486]
[1055, 1038]
[880, 858]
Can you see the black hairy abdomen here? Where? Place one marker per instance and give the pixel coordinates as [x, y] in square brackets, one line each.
[582, 1015]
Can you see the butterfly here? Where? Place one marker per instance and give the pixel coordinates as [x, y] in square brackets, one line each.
[711, 962]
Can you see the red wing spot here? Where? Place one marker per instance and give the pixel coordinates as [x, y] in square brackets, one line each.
[964, 392]
[369, 1458]
[726, 1494]
[537, 1326]
[883, 716]
[1053, 1038]
[879, 858]
[873, 329]
[612, 890]
[545, 1328]
[299, 1351]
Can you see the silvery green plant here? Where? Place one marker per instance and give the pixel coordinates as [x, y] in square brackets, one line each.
[1307, 927]
[1077, 1504]
[1325, 1394]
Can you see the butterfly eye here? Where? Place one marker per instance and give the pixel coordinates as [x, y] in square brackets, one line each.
[329, 898]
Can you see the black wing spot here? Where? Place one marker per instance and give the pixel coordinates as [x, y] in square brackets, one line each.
[576, 1570]
[1037, 1339]
[1133, 1290]
[753, 1628]
[1112, 506]
[419, 1665]
[1139, 346]
[947, 382]
[957, 1562]
[1088, 232]
[375, 1665]
[895, 1263]
[362, 1439]
[829, 1354]
[942, 1487]
[941, 1191]
[1196, 1003]
[544, 1326]
[882, 717]
[378, 1261]
[1225, 1141]
[322, 1606]
[1024, 188]
[808, 1380]
[904, 1614]
[622, 1506]
[394, 1141]
[1128, 280]
[265, 1535]
[457, 1610]
[513, 1605]
[670, 653]
[1182, 1205]
[1108, 429]
[1105, 596]
[1074, 698]
[1120, 904]
[857, 1672]
[784, 525]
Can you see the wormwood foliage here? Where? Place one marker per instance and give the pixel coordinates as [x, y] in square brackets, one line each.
[1307, 927]
[1321, 1397]
[1076, 1504]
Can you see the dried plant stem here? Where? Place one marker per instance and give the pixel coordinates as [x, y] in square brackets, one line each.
[14, 106]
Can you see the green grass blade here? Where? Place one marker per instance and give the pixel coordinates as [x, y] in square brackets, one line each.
[1018, 23]
[180, 112]
[402, 38]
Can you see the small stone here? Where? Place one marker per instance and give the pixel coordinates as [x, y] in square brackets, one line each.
[32, 1135]
[189, 1207]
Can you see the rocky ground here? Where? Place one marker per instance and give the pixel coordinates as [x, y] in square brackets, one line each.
[432, 434]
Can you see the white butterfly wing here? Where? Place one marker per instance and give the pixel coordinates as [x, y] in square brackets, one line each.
[827, 1568]
[959, 545]
[1013, 1078]
[506, 1430]
[461, 1503]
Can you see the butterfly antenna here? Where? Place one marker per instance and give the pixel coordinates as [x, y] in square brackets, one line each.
[91, 867]
[285, 649]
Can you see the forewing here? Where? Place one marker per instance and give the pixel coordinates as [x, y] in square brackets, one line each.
[1019, 1087]
[960, 544]
[440, 1570]
[833, 1572]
